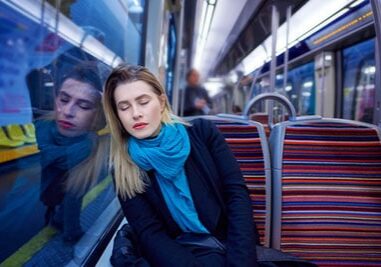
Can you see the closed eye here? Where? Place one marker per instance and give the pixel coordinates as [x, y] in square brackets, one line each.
[124, 107]
[64, 99]
[86, 105]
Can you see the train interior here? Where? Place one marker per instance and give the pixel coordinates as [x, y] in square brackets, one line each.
[296, 92]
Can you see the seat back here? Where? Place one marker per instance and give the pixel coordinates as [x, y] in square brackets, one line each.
[17, 134]
[263, 118]
[248, 142]
[327, 191]
[6, 142]
[29, 129]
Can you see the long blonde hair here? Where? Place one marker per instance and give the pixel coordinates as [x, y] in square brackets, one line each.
[128, 179]
[85, 175]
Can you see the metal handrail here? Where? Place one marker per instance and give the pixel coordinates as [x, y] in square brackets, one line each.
[271, 96]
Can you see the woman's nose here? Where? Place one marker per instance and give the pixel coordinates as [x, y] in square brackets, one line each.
[69, 110]
[136, 113]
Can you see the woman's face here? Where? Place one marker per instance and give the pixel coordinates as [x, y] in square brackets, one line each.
[76, 106]
[139, 109]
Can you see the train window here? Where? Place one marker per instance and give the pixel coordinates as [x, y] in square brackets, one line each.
[300, 88]
[358, 84]
[55, 191]
[118, 25]
[262, 85]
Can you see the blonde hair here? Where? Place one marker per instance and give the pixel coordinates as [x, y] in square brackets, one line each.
[129, 180]
[85, 175]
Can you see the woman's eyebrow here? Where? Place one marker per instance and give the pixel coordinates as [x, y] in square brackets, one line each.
[86, 101]
[142, 96]
[83, 100]
[121, 102]
[64, 94]
[136, 99]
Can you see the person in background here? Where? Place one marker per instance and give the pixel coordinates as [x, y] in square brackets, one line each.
[72, 154]
[179, 185]
[196, 98]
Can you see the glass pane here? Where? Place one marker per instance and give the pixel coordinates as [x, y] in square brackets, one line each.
[359, 86]
[54, 181]
[300, 88]
[116, 24]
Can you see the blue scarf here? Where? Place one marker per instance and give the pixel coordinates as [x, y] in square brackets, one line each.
[166, 155]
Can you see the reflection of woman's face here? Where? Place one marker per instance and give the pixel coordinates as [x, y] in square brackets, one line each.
[76, 106]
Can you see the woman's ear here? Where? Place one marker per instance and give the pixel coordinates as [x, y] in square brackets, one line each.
[162, 99]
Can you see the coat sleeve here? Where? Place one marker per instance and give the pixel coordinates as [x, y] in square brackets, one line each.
[158, 248]
[241, 235]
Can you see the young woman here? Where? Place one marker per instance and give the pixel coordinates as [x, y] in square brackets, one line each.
[72, 154]
[179, 185]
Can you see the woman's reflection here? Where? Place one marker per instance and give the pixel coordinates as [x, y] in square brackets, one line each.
[71, 156]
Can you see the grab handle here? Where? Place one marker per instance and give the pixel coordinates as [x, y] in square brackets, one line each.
[271, 96]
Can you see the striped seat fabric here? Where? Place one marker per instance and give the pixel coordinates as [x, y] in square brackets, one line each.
[249, 145]
[329, 184]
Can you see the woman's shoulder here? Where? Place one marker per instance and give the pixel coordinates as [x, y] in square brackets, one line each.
[202, 128]
[201, 123]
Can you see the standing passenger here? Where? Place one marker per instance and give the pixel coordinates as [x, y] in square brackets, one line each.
[179, 185]
[197, 100]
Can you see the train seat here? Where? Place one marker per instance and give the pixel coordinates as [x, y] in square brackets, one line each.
[5, 141]
[30, 131]
[264, 119]
[248, 142]
[16, 133]
[327, 191]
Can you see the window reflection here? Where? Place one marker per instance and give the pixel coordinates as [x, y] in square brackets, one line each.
[54, 184]
[70, 149]
[359, 85]
[300, 88]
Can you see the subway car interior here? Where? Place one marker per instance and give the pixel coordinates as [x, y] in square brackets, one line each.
[295, 90]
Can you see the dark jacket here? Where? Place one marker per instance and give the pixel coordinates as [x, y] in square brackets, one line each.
[190, 95]
[220, 196]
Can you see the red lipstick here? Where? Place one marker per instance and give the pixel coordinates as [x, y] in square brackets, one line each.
[139, 125]
[65, 124]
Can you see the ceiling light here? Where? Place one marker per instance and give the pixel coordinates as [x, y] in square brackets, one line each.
[206, 21]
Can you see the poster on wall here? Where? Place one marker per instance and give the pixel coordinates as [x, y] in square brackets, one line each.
[15, 106]
[25, 45]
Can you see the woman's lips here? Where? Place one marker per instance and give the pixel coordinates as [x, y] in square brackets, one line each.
[65, 124]
[139, 125]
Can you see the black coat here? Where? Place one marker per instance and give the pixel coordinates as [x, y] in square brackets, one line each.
[190, 95]
[220, 197]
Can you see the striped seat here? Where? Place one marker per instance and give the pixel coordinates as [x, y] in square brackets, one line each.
[327, 191]
[263, 119]
[248, 143]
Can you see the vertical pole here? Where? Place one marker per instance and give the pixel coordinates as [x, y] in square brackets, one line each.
[176, 89]
[322, 88]
[285, 68]
[285, 64]
[274, 30]
[376, 8]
